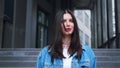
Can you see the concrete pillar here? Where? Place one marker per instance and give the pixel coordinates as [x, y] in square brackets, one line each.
[28, 32]
[19, 24]
[117, 21]
[1, 20]
[31, 17]
[94, 28]
[34, 24]
[110, 24]
[7, 24]
[99, 31]
[104, 21]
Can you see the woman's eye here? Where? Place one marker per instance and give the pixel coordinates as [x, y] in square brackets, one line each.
[64, 20]
[71, 20]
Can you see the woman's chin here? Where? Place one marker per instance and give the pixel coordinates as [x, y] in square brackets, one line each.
[68, 33]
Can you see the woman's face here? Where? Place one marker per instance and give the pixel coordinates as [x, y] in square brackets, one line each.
[67, 25]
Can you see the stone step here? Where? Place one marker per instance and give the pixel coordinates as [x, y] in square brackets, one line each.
[20, 49]
[17, 63]
[26, 58]
[108, 64]
[100, 64]
[97, 52]
[105, 49]
[18, 67]
[12, 58]
[35, 53]
[107, 52]
[19, 53]
[38, 49]
[108, 58]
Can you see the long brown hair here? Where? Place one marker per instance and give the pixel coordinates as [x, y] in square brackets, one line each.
[56, 50]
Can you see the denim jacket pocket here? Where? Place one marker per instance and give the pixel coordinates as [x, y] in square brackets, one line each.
[48, 65]
[85, 64]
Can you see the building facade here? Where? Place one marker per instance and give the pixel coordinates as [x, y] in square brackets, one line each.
[29, 23]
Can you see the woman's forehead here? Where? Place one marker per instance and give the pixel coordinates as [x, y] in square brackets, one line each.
[67, 16]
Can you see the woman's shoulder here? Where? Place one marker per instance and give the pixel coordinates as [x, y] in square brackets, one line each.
[88, 50]
[43, 51]
[44, 48]
[86, 47]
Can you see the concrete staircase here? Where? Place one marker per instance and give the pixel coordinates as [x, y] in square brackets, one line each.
[26, 58]
[108, 58]
[18, 58]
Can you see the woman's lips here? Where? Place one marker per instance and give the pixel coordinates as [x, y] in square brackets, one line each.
[68, 29]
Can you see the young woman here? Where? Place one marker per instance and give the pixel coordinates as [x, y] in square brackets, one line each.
[66, 50]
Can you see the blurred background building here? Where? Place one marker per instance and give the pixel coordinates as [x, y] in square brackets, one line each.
[27, 25]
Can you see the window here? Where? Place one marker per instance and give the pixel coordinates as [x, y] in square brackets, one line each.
[42, 29]
[8, 10]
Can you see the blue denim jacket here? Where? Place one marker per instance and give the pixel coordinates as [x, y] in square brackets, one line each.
[88, 59]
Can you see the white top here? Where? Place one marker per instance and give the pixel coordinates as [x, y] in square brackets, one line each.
[67, 60]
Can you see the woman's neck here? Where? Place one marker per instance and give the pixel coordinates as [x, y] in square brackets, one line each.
[66, 41]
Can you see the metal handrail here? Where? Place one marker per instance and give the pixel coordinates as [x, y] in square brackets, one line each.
[111, 40]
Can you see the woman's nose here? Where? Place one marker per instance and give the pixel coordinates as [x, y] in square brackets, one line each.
[67, 22]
